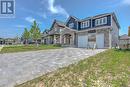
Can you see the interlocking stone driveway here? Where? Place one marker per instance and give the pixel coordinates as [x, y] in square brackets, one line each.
[16, 68]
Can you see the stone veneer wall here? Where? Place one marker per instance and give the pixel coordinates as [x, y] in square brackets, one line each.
[106, 36]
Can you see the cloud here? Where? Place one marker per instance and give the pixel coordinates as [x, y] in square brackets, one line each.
[31, 20]
[56, 9]
[126, 2]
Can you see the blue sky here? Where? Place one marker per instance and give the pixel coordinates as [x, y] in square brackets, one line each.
[45, 11]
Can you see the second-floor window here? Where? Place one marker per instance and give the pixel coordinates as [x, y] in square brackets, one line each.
[85, 24]
[71, 25]
[101, 21]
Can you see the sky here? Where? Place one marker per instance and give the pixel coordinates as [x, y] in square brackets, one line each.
[45, 11]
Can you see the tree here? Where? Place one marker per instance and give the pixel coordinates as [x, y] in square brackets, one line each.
[129, 31]
[35, 32]
[26, 35]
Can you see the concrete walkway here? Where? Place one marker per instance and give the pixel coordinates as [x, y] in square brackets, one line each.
[16, 68]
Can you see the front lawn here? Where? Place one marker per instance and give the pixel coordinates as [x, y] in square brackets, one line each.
[107, 69]
[11, 49]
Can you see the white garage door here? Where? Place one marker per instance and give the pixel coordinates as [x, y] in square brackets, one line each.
[100, 40]
[82, 41]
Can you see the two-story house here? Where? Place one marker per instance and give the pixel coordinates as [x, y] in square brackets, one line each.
[101, 31]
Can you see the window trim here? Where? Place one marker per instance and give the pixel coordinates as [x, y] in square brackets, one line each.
[85, 24]
[101, 21]
[105, 18]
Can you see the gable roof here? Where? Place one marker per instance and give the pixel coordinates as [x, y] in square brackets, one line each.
[60, 23]
[116, 20]
[46, 31]
[73, 18]
[63, 24]
[87, 18]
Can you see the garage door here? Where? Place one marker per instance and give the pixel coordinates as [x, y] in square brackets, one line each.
[100, 40]
[82, 41]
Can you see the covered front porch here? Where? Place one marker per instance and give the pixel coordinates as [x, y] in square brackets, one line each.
[60, 34]
[63, 39]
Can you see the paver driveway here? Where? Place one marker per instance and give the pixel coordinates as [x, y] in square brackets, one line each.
[16, 68]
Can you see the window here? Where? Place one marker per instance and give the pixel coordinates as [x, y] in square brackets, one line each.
[104, 20]
[97, 22]
[101, 21]
[85, 24]
[71, 25]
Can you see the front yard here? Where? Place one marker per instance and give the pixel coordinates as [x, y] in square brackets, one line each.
[107, 69]
[11, 49]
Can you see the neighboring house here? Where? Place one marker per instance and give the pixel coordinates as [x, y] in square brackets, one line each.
[10, 41]
[1, 41]
[124, 42]
[101, 31]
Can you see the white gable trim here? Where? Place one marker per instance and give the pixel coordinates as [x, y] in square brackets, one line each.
[70, 18]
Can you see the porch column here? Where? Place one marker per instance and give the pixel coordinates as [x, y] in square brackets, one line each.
[60, 39]
[73, 38]
[64, 39]
[49, 39]
[54, 39]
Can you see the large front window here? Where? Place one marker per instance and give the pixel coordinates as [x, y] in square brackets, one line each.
[85, 24]
[101, 21]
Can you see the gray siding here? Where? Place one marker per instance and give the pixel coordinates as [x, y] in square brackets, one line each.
[115, 34]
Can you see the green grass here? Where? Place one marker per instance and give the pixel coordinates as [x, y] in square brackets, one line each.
[12, 49]
[107, 69]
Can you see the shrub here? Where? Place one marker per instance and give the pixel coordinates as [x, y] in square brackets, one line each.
[57, 45]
